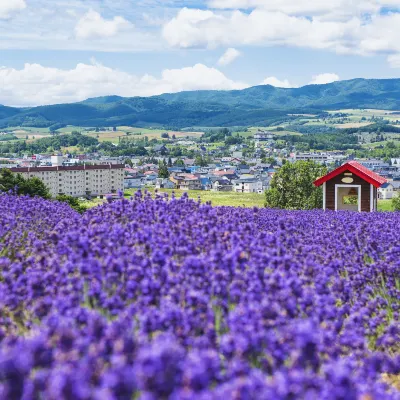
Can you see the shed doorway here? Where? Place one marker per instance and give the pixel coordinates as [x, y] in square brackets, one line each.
[348, 197]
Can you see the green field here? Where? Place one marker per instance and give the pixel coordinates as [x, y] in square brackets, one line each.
[385, 205]
[217, 198]
[234, 199]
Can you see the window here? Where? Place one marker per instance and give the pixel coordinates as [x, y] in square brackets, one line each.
[350, 199]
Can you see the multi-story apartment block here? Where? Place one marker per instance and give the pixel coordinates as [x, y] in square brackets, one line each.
[317, 157]
[79, 180]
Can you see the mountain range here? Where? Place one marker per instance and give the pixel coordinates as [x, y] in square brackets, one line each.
[258, 105]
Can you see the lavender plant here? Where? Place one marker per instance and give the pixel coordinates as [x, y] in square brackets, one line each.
[170, 299]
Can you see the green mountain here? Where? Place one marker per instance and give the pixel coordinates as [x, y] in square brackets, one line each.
[259, 105]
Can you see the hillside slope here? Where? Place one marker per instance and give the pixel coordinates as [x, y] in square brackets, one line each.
[252, 106]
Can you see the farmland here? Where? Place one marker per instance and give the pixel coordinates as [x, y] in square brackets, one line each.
[157, 299]
[32, 133]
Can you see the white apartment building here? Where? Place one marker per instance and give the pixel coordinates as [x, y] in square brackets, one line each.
[317, 157]
[79, 180]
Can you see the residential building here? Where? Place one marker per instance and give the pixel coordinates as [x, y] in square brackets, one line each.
[186, 182]
[386, 191]
[321, 158]
[134, 182]
[222, 185]
[78, 181]
[262, 136]
[249, 185]
[163, 183]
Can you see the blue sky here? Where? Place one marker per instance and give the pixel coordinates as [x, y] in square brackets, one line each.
[68, 50]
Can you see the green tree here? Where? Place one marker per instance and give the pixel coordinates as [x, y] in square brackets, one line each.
[200, 161]
[292, 186]
[163, 170]
[28, 187]
[73, 202]
[396, 203]
[179, 163]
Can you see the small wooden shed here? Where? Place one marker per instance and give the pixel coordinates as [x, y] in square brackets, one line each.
[351, 187]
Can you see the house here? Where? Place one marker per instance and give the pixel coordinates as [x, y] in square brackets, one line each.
[161, 149]
[163, 183]
[351, 187]
[396, 188]
[242, 169]
[131, 182]
[248, 185]
[206, 183]
[188, 162]
[386, 191]
[186, 182]
[222, 185]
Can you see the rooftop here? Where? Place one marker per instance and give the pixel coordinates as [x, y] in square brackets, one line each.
[357, 169]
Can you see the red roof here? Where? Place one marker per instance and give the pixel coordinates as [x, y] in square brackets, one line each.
[357, 169]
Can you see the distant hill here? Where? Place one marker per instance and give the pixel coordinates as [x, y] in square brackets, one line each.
[259, 105]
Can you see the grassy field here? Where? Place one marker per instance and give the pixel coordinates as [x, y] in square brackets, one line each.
[222, 198]
[216, 198]
[134, 133]
[385, 205]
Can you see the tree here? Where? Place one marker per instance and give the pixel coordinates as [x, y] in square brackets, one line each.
[169, 162]
[73, 202]
[200, 161]
[179, 163]
[163, 170]
[165, 135]
[28, 187]
[292, 186]
[396, 203]
[114, 128]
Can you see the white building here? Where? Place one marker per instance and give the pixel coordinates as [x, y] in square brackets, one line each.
[386, 191]
[78, 181]
[249, 185]
[317, 157]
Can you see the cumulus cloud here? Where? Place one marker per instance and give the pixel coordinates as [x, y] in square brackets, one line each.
[322, 79]
[229, 56]
[37, 85]
[273, 81]
[200, 28]
[93, 25]
[288, 23]
[8, 7]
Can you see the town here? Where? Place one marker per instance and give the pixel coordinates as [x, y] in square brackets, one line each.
[237, 164]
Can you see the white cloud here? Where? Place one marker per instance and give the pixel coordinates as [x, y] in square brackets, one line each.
[322, 79]
[36, 84]
[93, 25]
[229, 56]
[273, 81]
[302, 23]
[8, 7]
[199, 28]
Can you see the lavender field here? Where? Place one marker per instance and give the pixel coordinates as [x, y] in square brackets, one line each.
[152, 298]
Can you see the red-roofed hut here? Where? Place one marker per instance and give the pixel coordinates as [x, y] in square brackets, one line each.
[351, 187]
